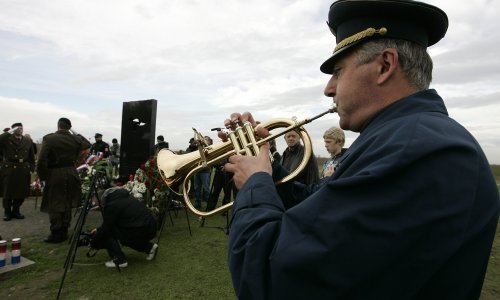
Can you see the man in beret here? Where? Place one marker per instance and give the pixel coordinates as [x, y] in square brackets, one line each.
[56, 166]
[100, 146]
[18, 161]
[412, 209]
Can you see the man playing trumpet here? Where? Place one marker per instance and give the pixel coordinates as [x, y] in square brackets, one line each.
[412, 209]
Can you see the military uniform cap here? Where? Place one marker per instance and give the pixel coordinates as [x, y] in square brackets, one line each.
[98, 135]
[65, 121]
[17, 125]
[353, 22]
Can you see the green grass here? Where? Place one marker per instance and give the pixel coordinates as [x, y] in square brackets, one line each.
[186, 267]
[496, 172]
[491, 286]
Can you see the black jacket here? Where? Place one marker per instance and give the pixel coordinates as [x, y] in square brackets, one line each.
[410, 213]
[122, 210]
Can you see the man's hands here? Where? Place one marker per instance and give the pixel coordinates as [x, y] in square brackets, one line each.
[245, 166]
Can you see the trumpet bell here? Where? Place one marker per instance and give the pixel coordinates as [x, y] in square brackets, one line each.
[174, 167]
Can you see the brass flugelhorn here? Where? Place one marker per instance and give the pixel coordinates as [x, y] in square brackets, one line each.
[175, 168]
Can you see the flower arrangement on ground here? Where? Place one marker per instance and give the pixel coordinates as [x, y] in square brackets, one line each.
[147, 185]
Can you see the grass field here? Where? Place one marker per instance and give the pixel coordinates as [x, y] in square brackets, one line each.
[187, 267]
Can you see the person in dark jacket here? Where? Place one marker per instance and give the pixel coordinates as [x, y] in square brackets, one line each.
[128, 221]
[160, 144]
[100, 146]
[16, 166]
[292, 157]
[412, 209]
[56, 167]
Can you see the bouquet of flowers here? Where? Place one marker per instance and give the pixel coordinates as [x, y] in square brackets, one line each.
[99, 164]
[36, 187]
[146, 185]
[137, 185]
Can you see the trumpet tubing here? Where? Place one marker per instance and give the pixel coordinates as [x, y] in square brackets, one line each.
[175, 169]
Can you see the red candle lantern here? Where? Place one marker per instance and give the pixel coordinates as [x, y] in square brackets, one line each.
[16, 251]
[3, 252]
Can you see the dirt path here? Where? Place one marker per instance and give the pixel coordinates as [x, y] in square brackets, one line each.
[36, 224]
[34, 227]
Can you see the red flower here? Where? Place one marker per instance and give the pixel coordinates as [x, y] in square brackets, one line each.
[143, 167]
[151, 161]
[119, 183]
[149, 173]
[131, 177]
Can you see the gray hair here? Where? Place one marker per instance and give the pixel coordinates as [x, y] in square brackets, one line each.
[414, 60]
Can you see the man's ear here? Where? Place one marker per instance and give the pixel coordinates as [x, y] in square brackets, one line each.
[388, 61]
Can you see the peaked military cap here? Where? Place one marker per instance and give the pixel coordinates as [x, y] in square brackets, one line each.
[353, 22]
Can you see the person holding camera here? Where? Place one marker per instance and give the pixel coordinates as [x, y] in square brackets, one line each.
[128, 221]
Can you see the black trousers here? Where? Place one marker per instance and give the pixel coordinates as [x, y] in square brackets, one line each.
[60, 221]
[12, 205]
[135, 238]
[221, 181]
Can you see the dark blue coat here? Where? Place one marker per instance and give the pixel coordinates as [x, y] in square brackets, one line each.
[410, 213]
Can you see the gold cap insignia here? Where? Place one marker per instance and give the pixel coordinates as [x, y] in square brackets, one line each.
[358, 36]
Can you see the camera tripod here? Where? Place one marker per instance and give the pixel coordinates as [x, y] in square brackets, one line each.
[98, 181]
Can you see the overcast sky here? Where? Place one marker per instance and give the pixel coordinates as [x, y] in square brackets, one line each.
[203, 59]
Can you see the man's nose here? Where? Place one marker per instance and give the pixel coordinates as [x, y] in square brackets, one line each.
[331, 87]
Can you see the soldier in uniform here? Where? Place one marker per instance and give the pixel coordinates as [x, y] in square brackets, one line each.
[100, 146]
[17, 164]
[56, 166]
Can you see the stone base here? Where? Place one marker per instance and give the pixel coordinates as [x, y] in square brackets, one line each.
[10, 267]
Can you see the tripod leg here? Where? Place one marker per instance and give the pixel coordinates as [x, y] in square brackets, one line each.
[187, 218]
[163, 218]
[70, 258]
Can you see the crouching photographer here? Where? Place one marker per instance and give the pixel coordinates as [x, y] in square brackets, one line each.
[126, 221]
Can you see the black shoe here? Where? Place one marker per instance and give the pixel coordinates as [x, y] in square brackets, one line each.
[7, 217]
[17, 216]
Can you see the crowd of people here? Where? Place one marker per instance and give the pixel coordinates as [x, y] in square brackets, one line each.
[408, 211]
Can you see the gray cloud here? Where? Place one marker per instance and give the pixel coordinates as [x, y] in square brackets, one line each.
[203, 60]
